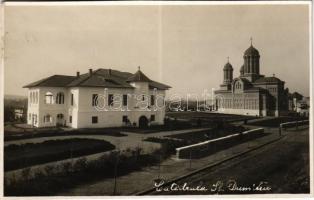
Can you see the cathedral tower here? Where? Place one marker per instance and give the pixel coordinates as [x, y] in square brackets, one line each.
[228, 76]
[251, 63]
[228, 73]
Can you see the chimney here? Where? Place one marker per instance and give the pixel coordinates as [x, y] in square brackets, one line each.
[77, 74]
[90, 72]
[109, 72]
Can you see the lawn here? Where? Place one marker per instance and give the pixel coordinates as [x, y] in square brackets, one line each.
[14, 133]
[207, 117]
[24, 155]
[200, 136]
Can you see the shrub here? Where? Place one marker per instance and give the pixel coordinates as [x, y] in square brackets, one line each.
[26, 173]
[80, 165]
[49, 169]
[19, 156]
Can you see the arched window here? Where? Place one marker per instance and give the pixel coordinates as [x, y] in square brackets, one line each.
[59, 116]
[49, 98]
[47, 119]
[31, 97]
[35, 97]
[60, 98]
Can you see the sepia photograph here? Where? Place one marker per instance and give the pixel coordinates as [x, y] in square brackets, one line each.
[157, 99]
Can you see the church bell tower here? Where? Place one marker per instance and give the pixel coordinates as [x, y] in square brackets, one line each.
[228, 76]
[251, 64]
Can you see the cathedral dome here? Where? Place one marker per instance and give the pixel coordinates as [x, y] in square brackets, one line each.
[228, 66]
[268, 80]
[251, 51]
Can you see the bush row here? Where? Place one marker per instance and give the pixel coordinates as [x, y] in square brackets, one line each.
[24, 155]
[66, 175]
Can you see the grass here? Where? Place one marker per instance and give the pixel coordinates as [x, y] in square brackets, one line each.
[24, 155]
[80, 172]
[208, 116]
[275, 122]
[37, 133]
[200, 136]
[168, 145]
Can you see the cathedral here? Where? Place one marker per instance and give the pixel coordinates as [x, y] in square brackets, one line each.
[251, 93]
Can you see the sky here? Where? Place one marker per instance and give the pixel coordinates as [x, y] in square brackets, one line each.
[184, 46]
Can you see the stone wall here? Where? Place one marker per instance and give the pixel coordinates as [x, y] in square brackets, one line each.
[211, 146]
[294, 124]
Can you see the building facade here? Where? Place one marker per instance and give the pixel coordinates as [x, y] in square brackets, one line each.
[100, 98]
[251, 93]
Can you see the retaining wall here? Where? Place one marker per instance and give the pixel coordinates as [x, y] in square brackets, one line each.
[210, 146]
[294, 123]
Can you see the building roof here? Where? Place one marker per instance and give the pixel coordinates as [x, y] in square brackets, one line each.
[244, 80]
[107, 78]
[297, 95]
[268, 80]
[139, 76]
[52, 81]
[251, 51]
[228, 66]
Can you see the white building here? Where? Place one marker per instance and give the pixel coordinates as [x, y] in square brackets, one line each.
[101, 98]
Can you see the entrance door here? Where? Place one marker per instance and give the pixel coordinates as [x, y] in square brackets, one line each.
[143, 122]
[60, 120]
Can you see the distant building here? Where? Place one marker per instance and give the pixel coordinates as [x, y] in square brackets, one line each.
[251, 93]
[302, 106]
[18, 114]
[101, 98]
[296, 97]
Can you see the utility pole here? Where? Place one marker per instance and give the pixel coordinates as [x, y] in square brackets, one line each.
[249, 139]
[190, 159]
[159, 167]
[71, 152]
[115, 173]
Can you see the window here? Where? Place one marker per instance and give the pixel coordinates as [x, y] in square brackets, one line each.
[60, 98]
[125, 118]
[95, 100]
[70, 119]
[110, 99]
[36, 97]
[59, 116]
[152, 118]
[32, 99]
[72, 99]
[47, 119]
[143, 97]
[125, 100]
[152, 100]
[48, 98]
[34, 119]
[94, 119]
